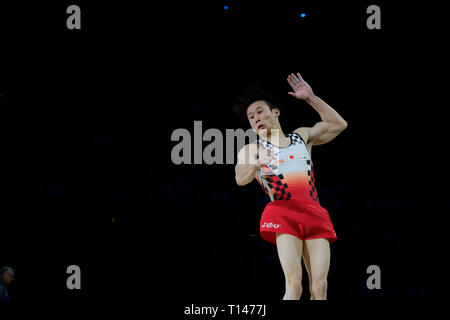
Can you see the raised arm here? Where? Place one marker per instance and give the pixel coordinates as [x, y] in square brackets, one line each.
[332, 123]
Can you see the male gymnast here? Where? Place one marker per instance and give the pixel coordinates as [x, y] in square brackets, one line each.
[294, 220]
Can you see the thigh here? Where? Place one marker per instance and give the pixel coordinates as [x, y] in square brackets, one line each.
[290, 250]
[319, 258]
[305, 258]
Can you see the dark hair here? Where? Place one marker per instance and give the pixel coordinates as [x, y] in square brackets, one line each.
[250, 95]
[4, 269]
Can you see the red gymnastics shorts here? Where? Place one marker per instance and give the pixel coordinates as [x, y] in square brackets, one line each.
[305, 220]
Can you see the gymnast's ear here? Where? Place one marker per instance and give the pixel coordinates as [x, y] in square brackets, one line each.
[276, 111]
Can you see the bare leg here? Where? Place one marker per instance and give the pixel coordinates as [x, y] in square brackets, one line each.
[290, 253]
[319, 256]
[308, 269]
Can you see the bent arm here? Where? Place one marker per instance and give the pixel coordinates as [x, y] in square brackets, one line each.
[327, 113]
[245, 173]
[324, 131]
[321, 133]
[247, 165]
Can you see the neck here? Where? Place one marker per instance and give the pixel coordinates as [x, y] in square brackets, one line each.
[274, 136]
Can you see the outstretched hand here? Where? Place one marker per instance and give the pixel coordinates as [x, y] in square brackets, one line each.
[301, 88]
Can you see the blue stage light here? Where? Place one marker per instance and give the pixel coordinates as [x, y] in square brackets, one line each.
[225, 7]
[302, 15]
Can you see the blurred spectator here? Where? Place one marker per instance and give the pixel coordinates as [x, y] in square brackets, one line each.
[6, 277]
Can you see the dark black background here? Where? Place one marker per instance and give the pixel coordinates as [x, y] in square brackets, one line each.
[87, 117]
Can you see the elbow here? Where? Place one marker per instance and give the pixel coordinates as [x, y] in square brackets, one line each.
[338, 127]
[342, 126]
[239, 182]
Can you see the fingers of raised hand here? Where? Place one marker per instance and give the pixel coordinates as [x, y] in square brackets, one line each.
[291, 83]
[295, 81]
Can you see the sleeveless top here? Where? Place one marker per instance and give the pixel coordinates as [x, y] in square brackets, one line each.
[291, 175]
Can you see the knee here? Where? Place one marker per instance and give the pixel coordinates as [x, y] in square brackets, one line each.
[319, 288]
[294, 283]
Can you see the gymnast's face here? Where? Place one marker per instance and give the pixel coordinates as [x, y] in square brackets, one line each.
[7, 277]
[261, 117]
